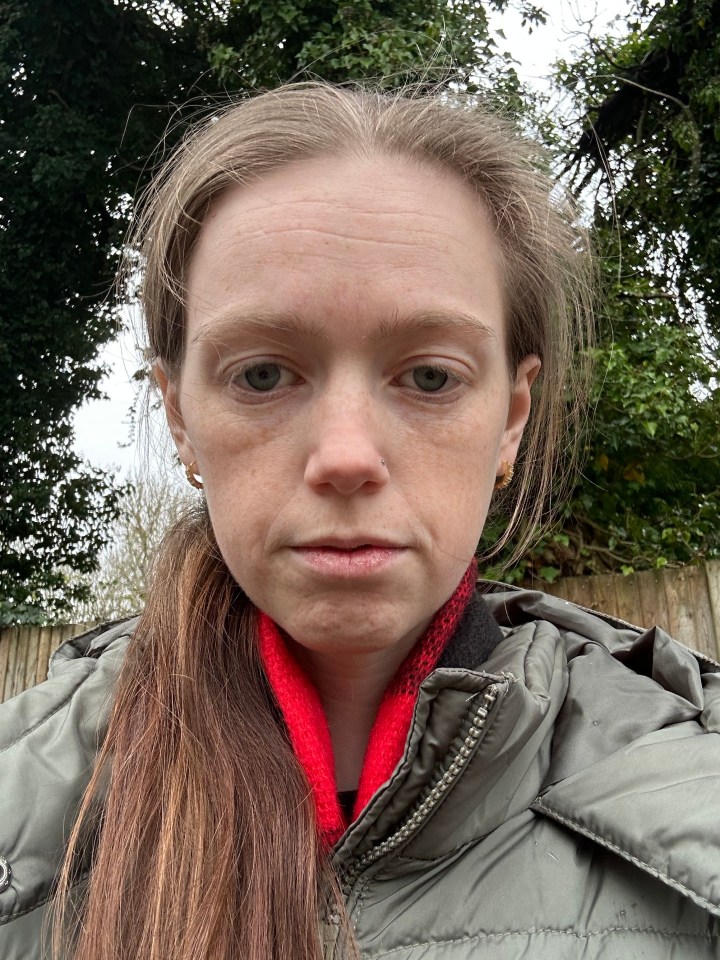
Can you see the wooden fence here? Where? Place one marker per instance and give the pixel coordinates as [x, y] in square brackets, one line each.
[686, 602]
[25, 652]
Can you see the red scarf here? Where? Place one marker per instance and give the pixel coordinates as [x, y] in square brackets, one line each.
[307, 726]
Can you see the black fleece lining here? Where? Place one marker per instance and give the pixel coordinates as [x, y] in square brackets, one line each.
[475, 638]
[347, 799]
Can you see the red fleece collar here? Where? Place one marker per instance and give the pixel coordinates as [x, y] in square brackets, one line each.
[307, 726]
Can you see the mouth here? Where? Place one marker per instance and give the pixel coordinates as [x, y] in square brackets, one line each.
[350, 544]
[349, 558]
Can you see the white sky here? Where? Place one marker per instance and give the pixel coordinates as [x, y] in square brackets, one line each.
[102, 427]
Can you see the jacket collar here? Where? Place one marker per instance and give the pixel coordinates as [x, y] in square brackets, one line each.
[629, 711]
[508, 757]
[92, 643]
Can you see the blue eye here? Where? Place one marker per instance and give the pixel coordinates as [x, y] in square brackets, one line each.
[262, 376]
[429, 379]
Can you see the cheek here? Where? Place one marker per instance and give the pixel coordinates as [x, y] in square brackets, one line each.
[245, 476]
[465, 511]
[240, 533]
[452, 485]
[242, 457]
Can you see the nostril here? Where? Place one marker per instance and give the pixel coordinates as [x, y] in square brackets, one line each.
[5, 874]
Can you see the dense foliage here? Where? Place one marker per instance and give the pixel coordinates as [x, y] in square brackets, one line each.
[643, 147]
[89, 88]
[72, 127]
[649, 102]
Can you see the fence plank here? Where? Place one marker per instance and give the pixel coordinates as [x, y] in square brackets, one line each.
[603, 592]
[678, 594]
[32, 643]
[44, 648]
[653, 603]
[10, 671]
[4, 656]
[627, 600]
[712, 576]
[580, 590]
[705, 640]
[18, 678]
[576, 590]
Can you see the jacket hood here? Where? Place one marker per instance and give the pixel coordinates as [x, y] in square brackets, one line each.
[633, 768]
[93, 643]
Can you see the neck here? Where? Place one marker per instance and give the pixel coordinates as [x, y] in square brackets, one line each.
[351, 687]
[348, 711]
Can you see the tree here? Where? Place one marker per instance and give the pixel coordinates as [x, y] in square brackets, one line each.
[643, 144]
[90, 87]
[118, 587]
[69, 147]
[650, 137]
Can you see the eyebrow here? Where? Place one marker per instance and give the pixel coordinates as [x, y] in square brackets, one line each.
[430, 321]
[227, 325]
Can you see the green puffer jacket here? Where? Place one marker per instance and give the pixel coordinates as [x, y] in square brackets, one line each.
[559, 801]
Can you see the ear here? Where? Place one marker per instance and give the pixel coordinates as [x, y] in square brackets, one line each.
[169, 388]
[519, 411]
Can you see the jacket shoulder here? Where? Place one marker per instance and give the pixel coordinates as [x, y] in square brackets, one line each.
[513, 606]
[49, 738]
[635, 763]
[97, 653]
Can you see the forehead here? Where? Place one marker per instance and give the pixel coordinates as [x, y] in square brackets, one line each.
[343, 238]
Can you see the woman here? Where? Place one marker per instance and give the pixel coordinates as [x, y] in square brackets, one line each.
[323, 740]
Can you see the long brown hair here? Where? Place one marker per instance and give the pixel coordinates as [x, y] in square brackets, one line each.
[207, 845]
[207, 840]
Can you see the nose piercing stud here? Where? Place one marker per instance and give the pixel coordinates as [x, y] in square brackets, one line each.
[382, 462]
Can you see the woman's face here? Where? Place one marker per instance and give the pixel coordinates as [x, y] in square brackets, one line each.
[346, 394]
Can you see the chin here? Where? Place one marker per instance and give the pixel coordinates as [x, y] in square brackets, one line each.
[341, 629]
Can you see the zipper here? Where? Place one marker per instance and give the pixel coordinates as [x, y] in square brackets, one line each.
[434, 792]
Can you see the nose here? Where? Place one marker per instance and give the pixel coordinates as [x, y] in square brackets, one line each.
[344, 454]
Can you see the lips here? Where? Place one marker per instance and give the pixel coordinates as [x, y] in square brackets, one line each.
[348, 557]
[349, 543]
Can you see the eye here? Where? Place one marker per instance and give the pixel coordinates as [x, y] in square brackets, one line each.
[428, 378]
[263, 377]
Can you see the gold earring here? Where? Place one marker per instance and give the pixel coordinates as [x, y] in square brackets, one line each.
[505, 478]
[192, 475]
